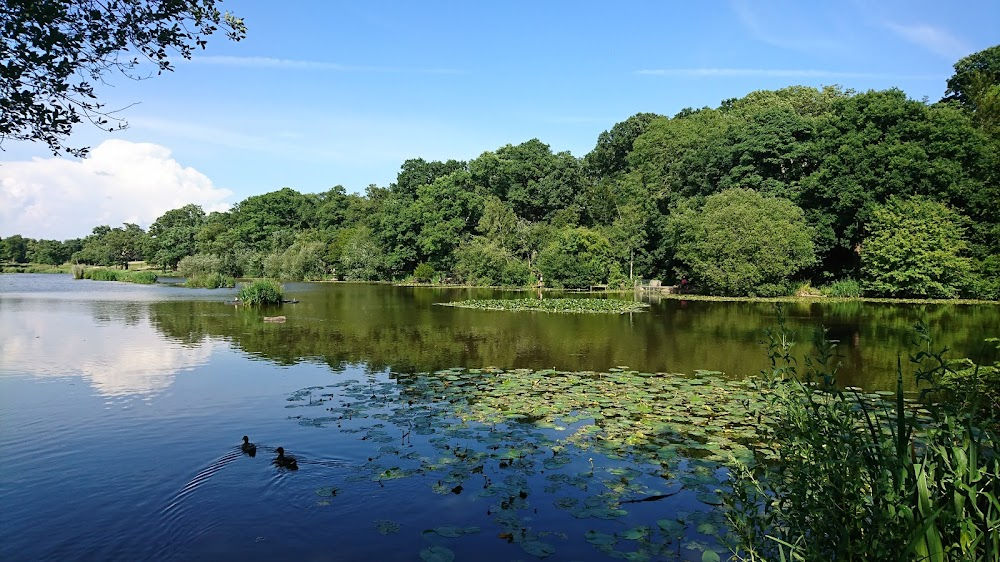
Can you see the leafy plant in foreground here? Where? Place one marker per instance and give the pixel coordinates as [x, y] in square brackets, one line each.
[857, 481]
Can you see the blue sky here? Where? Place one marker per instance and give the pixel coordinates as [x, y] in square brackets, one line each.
[325, 93]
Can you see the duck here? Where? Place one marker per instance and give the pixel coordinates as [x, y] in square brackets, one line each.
[285, 462]
[248, 447]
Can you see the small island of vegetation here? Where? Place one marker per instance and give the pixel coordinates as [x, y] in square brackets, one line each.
[592, 306]
[261, 292]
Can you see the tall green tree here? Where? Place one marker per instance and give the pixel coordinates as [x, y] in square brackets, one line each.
[54, 51]
[683, 157]
[610, 156]
[772, 149]
[394, 224]
[51, 252]
[915, 247]
[362, 259]
[972, 73]
[173, 235]
[270, 221]
[500, 224]
[449, 210]
[528, 176]
[416, 172]
[126, 244]
[15, 248]
[878, 144]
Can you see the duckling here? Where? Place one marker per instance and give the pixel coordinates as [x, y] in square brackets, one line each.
[248, 447]
[281, 461]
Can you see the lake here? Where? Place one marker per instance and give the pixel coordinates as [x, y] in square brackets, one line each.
[422, 431]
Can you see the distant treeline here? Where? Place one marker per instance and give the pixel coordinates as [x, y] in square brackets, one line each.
[866, 192]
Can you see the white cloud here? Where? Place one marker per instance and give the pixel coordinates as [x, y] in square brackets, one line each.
[122, 181]
[934, 39]
[783, 27]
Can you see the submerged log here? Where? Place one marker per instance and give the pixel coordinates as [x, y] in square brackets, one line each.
[275, 319]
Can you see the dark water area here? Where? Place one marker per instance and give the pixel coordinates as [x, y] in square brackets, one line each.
[122, 408]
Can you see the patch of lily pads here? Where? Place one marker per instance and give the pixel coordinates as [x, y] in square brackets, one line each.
[607, 453]
[567, 305]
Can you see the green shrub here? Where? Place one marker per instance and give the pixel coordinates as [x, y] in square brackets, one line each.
[123, 275]
[741, 243]
[915, 248]
[482, 262]
[199, 264]
[578, 258]
[210, 281]
[102, 274]
[142, 277]
[775, 289]
[262, 291]
[423, 273]
[617, 280]
[78, 271]
[985, 280]
[300, 261]
[362, 259]
[847, 288]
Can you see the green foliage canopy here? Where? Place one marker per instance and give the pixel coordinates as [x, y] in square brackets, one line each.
[173, 235]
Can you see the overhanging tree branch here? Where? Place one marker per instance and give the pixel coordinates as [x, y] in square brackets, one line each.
[52, 52]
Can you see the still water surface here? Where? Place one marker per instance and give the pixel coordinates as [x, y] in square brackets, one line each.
[121, 408]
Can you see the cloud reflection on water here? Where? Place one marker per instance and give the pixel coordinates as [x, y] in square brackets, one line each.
[111, 345]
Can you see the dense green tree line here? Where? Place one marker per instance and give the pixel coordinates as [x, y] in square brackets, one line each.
[753, 197]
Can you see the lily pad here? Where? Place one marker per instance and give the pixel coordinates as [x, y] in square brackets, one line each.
[451, 531]
[600, 539]
[437, 554]
[538, 548]
[386, 527]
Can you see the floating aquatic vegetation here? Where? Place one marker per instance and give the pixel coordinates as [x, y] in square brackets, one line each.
[609, 451]
[437, 554]
[595, 446]
[386, 526]
[598, 306]
[451, 531]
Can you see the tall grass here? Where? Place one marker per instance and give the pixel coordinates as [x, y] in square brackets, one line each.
[124, 275]
[210, 281]
[854, 479]
[33, 268]
[262, 291]
[848, 288]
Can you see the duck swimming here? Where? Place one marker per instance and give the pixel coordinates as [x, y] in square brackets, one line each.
[281, 461]
[248, 447]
